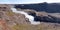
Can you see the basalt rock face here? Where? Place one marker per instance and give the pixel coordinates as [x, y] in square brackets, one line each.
[47, 19]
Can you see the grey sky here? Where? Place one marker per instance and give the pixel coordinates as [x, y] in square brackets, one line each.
[27, 1]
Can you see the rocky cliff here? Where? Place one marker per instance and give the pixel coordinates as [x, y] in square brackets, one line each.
[15, 21]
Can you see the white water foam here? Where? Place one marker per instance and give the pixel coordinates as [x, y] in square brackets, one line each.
[31, 18]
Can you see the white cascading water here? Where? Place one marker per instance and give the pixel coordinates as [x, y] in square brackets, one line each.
[31, 18]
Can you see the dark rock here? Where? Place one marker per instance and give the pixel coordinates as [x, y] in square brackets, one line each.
[49, 18]
[47, 7]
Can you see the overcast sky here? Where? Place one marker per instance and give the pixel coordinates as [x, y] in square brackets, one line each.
[27, 1]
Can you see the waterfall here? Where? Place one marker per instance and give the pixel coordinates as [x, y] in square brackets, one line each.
[30, 17]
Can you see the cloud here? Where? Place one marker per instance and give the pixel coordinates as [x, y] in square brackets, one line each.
[27, 1]
[10, 1]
